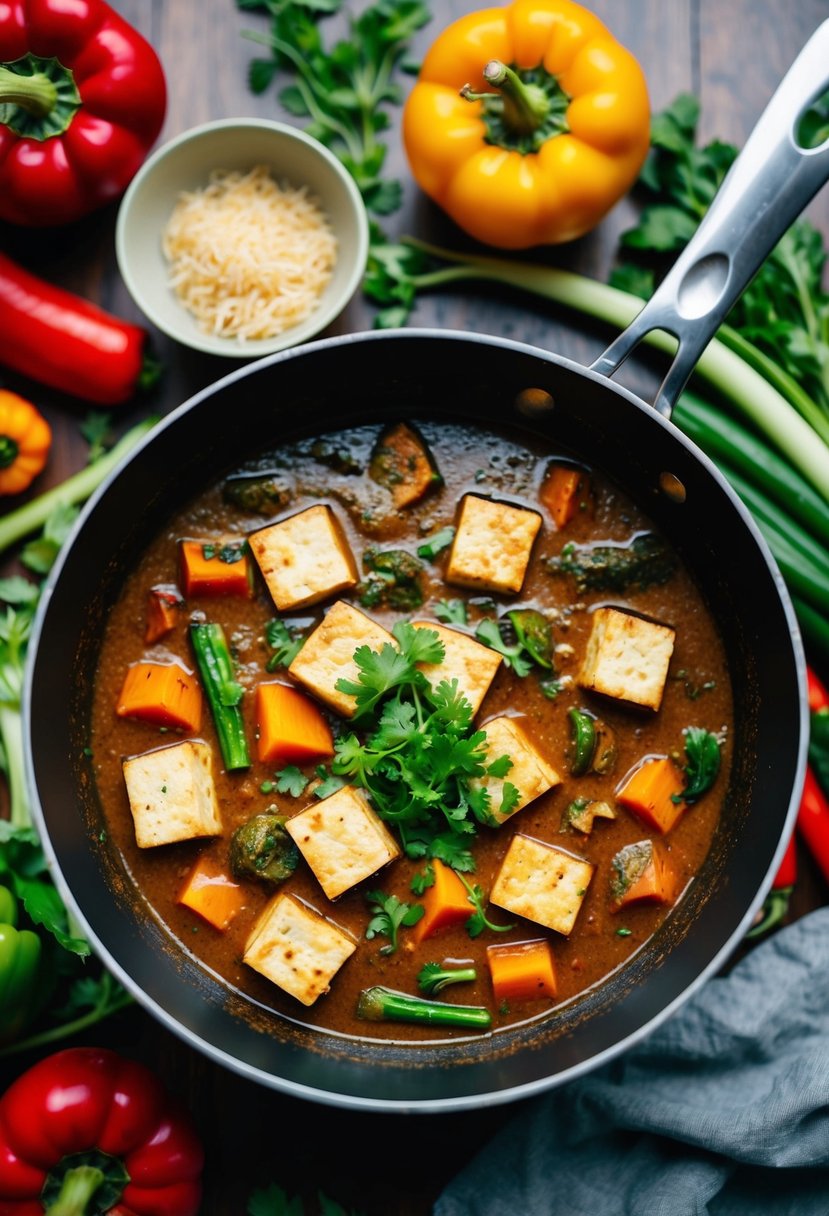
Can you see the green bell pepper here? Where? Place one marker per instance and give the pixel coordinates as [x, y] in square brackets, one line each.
[20, 970]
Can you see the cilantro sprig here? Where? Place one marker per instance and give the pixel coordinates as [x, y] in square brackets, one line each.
[389, 915]
[419, 758]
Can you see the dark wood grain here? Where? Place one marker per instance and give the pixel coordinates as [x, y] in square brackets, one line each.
[731, 55]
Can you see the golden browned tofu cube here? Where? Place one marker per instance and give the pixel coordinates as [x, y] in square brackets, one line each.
[627, 657]
[327, 655]
[343, 839]
[492, 545]
[469, 662]
[171, 794]
[542, 883]
[531, 774]
[304, 558]
[296, 948]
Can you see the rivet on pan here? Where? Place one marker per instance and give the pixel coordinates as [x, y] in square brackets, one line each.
[534, 401]
[672, 487]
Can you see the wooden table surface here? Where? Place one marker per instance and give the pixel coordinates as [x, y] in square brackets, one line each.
[731, 55]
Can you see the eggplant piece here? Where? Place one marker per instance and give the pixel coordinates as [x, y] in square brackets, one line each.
[402, 462]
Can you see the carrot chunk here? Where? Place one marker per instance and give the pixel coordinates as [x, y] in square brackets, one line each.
[162, 693]
[163, 604]
[445, 903]
[522, 971]
[642, 874]
[216, 568]
[562, 492]
[212, 894]
[650, 791]
[291, 729]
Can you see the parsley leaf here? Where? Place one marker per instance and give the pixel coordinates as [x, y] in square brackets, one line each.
[389, 915]
[284, 642]
[291, 780]
[702, 749]
[451, 612]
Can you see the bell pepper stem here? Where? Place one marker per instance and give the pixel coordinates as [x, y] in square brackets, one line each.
[36, 93]
[77, 1188]
[9, 449]
[525, 106]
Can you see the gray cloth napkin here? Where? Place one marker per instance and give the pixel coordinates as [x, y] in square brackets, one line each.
[722, 1111]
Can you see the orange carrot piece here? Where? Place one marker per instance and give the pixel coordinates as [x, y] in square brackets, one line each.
[561, 492]
[291, 729]
[163, 604]
[651, 879]
[522, 971]
[445, 903]
[162, 693]
[212, 894]
[216, 567]
[649, 793]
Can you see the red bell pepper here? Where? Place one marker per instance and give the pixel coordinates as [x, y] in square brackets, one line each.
[57, 338]
[82, 100]
[87, 1131]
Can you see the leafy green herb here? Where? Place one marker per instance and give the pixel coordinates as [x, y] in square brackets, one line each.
[451, 612]
[272, 1200]
[550, 687]
[329, 783]
[515, 654]
[423, 880]
[702, 749]
[534, 632]
[420, 755]
[95, 429]
[291, 780]
[433, 978]
[435, 545]
[478, 921]
[389, 914]
[285, 643]
[227, 553]
[346, 91]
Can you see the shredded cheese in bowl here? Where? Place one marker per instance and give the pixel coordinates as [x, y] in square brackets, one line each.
[248, 257]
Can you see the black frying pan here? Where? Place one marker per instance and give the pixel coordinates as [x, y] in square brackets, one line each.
[483, 381]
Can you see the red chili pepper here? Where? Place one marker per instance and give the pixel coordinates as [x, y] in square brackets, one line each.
[813, 821]
[59, 339]
[83, 98]
[87, 1130]
[786, 875]
[818, 694]
[776, 904]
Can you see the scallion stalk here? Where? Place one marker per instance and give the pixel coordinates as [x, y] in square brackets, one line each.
[380, 1004]
[224, 692]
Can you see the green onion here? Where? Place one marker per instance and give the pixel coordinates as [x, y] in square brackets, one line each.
[223, 691]
[385, 1005]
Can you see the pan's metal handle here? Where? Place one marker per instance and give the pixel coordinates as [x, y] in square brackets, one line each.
[765, 190]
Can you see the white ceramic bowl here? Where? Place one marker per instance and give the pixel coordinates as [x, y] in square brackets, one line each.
[185, 163]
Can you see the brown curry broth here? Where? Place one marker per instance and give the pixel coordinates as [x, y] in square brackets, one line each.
[491, 465]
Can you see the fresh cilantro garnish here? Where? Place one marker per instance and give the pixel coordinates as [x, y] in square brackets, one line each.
[478, 921]
[329, 783]
[291, 780]
[702, 750]
[424, 879]
[434, 546]
[284, 642]
[419, 755]
[389, 914]
[515, 655]
[95, 429]
[451, 612]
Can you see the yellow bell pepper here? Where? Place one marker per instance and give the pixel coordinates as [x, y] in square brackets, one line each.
[554, 141]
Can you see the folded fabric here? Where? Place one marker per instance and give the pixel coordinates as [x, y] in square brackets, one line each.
[722, 1111]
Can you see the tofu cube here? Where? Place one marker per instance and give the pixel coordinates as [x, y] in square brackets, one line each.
[492, 545]
[531, 774]
[304, 558]
[296, 948]
[469, 662]
[171, 794]
[343, 840]
[627, 657]
[327, 654]
[542, 883]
